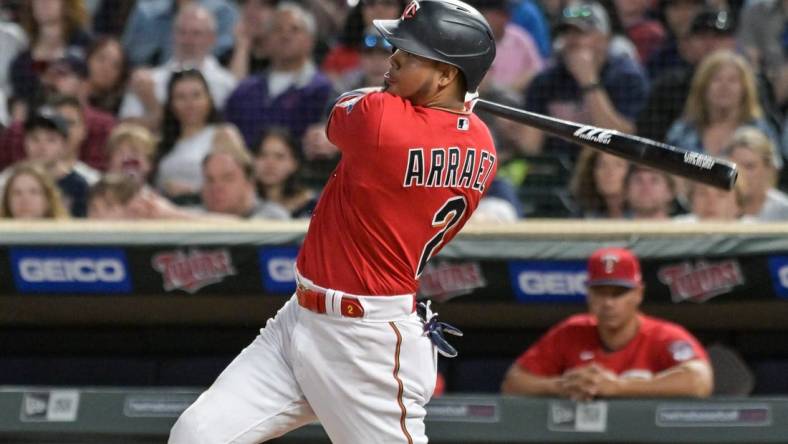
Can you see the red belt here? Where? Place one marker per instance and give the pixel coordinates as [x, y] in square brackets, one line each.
[350, 307]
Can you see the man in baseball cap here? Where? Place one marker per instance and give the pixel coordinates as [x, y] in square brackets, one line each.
[614, 350]
[585, 17]
[591, 81]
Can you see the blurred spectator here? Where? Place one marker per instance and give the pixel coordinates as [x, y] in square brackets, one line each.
[598, 184]
[46, 145]
[614, 350]
[586, 84]
[109, 197]
[646, 33]
[194, 39]
[500, 204]
[151, 35]
[131, 152]
[249, 55]
[710, 31]
[330, 17]
[723, 97]
[110, 17]
[291, 93]
[66, 78]
[754, 154]
[190, 119]
[229, 192]
[528, 14]
[230, 186]
[517, 59]
[553, 9]
[345, 57]
[70, 110]
[320, 155]
[12, 41]
[650, 194]
[56, 28]
[29, 193]
[374, 63]
[762, 33]
[506, 133]
[277, 166]
[108, 73]
[679, 16]
[711, 203]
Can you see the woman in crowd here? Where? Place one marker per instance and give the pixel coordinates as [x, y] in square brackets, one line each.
[108, 72]
[277, 164]
[55, 28]
[131, 150]
[723, 97]
[598, 184]
[190, 123]
[31, 194]
[754, 154]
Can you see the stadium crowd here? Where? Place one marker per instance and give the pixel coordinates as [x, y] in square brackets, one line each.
[215, 109]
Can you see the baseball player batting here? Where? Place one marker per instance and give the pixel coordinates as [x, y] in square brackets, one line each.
[350, 348]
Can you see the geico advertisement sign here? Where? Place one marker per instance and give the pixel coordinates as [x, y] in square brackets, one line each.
[70, 270]
[277, 269]
[778, 268]
[548, 281]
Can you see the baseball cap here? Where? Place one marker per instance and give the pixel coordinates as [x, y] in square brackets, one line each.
[614, 266]
[710, 20]
[585, 16]
[48, 118]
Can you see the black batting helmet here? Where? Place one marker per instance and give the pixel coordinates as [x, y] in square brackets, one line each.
[448, 31]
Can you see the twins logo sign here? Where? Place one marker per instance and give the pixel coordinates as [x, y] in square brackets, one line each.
[702, 280]
[277, 268]
[549, 281]
[190, 271]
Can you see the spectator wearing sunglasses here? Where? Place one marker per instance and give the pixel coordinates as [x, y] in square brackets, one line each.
[345, 57]
[373, 64]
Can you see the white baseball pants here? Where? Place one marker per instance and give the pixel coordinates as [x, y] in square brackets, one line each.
[366, 380]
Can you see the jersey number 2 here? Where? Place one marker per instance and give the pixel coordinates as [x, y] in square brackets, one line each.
[447, 218]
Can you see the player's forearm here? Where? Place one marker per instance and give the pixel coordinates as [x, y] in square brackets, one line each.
[604, 114]
[692, 379]
[520, 382]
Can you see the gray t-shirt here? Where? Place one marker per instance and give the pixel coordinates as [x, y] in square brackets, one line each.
[269, 210]
[775, 208]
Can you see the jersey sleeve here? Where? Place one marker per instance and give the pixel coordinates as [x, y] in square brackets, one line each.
[354, 123]
[676, 345]
[544, 357]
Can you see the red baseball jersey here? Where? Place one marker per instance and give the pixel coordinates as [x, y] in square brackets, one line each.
[409, 179]
[658, 345]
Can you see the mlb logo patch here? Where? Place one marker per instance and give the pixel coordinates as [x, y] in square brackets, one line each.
[463, 123]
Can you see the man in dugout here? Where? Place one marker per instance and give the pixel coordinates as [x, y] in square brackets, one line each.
[614, 350]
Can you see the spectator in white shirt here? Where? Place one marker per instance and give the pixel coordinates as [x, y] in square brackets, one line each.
[194, 38]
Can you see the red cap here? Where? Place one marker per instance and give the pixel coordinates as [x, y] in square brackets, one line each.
[613, 266]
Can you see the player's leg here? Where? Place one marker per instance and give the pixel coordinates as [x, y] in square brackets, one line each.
[368, 381]
[255, 398]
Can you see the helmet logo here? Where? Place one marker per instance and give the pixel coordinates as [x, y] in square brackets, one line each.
[410, 10]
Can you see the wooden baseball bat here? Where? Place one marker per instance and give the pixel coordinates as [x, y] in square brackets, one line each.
[692, 165]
